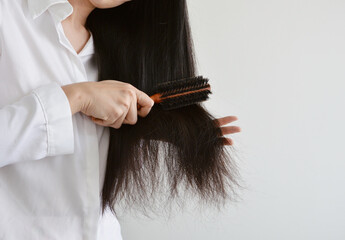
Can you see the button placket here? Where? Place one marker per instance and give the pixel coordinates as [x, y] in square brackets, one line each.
[75, 58]
[91, 160]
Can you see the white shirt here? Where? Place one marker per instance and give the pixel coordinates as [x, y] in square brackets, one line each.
[52, 164]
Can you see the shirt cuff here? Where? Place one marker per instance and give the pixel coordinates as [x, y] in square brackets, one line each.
[58, 116]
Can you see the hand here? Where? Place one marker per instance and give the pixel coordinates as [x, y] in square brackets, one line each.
[229, 129]
[111, 102]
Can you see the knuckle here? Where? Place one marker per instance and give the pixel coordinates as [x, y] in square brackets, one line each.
[126, 104]
[114, 125]
[111, 120]
[131, 92]
[132, 121]
[117, 125]
[125, 91]
[128, 97]
[129, 86]
[116, 113]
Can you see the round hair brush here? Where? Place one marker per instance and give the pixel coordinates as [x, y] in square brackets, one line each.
[180, 93]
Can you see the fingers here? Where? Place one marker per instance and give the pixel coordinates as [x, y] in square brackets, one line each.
[230, 129]
[145, 102]
[98, 121]
[132, 115]
[227, 141]
[117, 124]
[224, 120]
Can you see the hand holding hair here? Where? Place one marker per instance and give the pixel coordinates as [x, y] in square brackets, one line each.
[227, 129]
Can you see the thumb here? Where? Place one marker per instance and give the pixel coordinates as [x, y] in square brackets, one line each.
[145, 103]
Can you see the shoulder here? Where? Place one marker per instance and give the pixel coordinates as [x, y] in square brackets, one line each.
[13, 11]
[14, 15]
[13, 6]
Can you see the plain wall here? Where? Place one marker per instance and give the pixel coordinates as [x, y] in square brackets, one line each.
[279, 66]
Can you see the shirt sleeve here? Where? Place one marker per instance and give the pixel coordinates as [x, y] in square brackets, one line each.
[36, 126]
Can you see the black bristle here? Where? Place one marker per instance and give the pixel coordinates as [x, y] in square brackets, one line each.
[185, 100]
[182, 85]
[171, 88]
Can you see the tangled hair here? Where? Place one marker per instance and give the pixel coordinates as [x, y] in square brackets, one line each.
[144, 43]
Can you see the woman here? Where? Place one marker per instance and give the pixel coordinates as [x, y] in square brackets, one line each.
[55, 159]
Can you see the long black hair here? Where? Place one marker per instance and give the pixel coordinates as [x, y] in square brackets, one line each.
[144, 43]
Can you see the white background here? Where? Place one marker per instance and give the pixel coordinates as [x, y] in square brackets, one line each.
[279, 66]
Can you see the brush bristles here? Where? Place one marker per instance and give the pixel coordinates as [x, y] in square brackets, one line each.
[182, 85]
[171, 88]
[185, 100]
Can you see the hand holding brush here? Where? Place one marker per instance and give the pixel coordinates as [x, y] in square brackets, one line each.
[110, 102]
[174, 94]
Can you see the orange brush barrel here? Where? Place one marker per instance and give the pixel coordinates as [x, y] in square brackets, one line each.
[157, 98]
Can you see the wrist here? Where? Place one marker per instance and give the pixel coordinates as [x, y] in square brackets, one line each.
[74, 96]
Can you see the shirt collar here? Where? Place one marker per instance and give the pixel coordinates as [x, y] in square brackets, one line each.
[60, 8]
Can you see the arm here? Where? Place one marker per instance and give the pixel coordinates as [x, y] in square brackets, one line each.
[36, 126]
